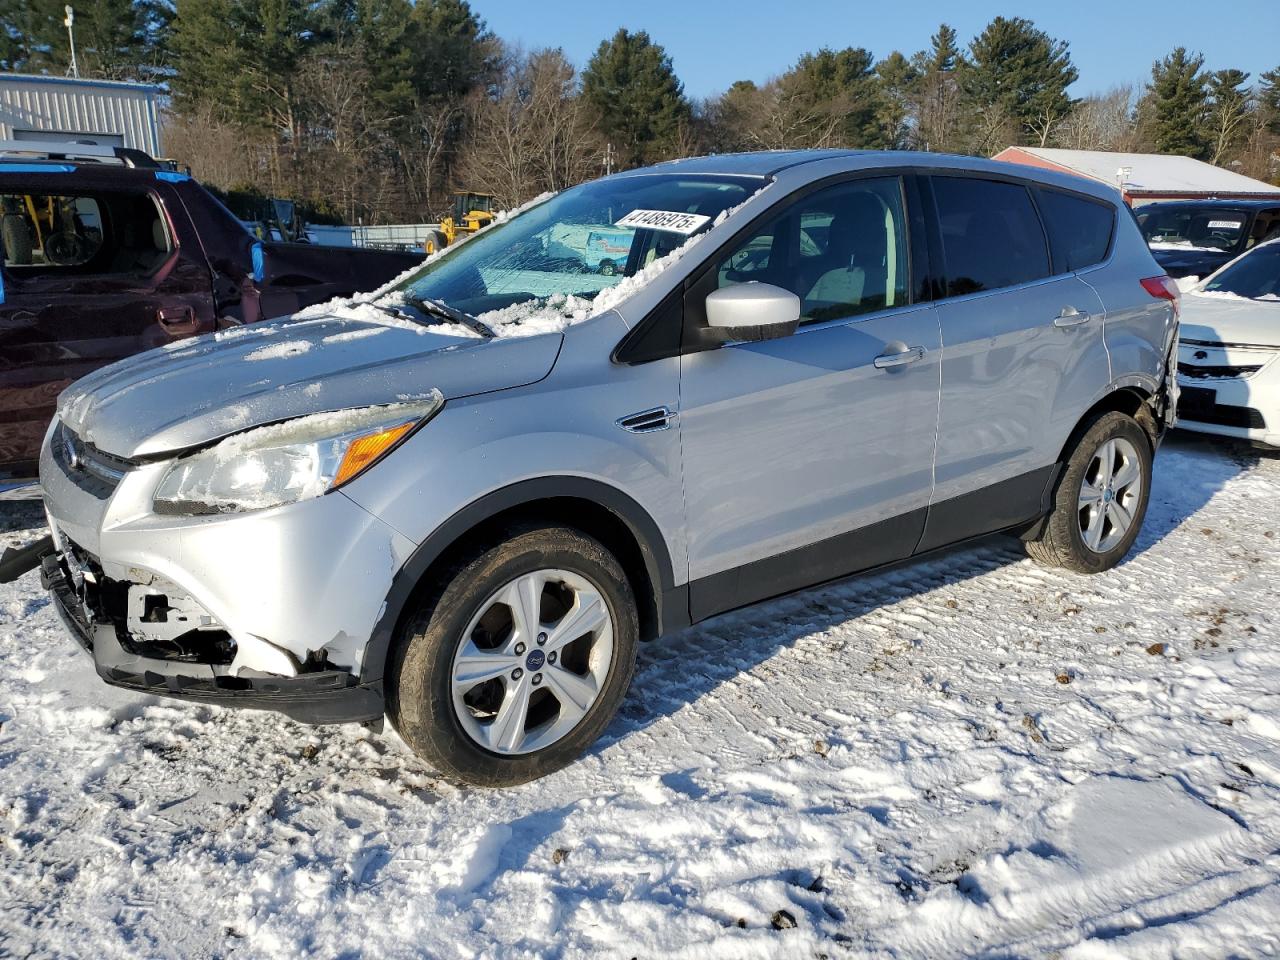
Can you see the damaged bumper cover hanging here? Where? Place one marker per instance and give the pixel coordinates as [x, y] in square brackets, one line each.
[309, 693]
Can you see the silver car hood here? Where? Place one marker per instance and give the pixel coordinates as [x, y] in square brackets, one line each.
[1230, 320]
[200, 390]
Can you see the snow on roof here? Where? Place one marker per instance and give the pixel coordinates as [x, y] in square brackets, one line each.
[1148, 172]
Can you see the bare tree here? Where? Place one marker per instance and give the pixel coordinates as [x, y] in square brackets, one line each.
[1104, 121]
[530, 134]
[1227, 121]
[218, 153]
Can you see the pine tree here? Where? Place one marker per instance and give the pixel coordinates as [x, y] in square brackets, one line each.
[115, 39]
[899, 79]
[453, 50]
[937, 94]
[1269, 99]
[1017, 80]
[638, 101]
[838, 94]
[1175, 104]
[1227, 117]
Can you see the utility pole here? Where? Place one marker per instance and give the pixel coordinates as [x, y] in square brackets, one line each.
[608, 159]
[71, 35]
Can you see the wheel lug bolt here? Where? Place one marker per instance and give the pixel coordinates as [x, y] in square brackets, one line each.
[517, 673]
[551, 657]
[537, 679]
[542, 638]
[519, 649]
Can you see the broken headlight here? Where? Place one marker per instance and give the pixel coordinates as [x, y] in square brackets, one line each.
[287, 462]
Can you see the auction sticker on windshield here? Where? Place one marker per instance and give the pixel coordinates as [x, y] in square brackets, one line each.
[685, 223]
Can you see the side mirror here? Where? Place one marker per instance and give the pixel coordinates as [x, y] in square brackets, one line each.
[753, 311]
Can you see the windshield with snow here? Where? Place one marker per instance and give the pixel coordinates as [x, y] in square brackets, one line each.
[1256, 276]
[1192, 228]
[578, 243]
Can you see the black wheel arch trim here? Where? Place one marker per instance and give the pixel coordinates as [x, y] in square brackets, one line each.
[670, 599]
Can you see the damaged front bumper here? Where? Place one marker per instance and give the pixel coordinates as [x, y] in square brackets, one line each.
[191, 671]
[270, 609]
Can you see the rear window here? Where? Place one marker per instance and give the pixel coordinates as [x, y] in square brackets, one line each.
[1204, 229]
[991, 235]
[1079, 229]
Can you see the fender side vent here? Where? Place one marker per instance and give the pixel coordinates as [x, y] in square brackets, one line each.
[648, 421]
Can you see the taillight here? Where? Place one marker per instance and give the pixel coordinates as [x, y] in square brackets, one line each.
[1164, 288]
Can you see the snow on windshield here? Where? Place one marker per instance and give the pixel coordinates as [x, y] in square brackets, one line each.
[555, 313]
[588, 249]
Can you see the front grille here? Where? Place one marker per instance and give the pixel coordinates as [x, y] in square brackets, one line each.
[93, 471]
[1194, 372]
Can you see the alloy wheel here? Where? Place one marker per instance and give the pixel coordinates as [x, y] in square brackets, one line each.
[1110, 494]
[532, 662]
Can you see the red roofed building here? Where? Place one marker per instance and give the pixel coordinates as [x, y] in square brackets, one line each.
[1144, 177]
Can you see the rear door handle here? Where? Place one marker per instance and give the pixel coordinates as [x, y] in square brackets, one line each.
[1070, 317]
[177, 321]
[887, 360]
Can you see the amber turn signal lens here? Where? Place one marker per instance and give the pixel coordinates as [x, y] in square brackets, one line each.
[362, 452]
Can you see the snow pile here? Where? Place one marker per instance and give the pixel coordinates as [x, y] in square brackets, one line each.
[968, 755]
[555, 313]
[279, 351]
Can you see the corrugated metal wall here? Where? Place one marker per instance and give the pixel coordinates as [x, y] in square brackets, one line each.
[80, 107]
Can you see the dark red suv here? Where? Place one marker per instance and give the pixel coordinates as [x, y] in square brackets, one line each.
[108, 257]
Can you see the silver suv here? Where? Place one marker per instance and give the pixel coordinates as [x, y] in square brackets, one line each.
[463, 500]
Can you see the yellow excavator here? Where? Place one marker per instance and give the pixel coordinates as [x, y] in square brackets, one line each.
[471, 212]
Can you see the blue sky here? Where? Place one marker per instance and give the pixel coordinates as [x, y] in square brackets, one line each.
[714, 42]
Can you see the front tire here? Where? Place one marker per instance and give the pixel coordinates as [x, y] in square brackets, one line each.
[1100, 500]
[517, 660]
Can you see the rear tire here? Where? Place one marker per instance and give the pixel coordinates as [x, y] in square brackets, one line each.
[16, 238]
[1100, 500]
[549, 687]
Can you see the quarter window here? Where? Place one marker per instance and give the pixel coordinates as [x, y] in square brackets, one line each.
[1079, 229]
[842, 250]
[991, 235]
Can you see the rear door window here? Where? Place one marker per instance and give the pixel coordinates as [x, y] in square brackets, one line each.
[1079, 229]
[54, 234]
[991, 234]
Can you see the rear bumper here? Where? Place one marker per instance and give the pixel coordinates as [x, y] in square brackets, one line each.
[325, 696]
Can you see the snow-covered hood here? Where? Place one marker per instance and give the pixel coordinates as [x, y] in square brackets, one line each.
[1222, 318]
[200, 390]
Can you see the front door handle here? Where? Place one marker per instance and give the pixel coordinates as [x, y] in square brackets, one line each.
[887, 360]
[1070, 317]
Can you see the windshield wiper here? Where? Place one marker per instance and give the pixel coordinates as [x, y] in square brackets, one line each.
[443, 310]
[433, 308]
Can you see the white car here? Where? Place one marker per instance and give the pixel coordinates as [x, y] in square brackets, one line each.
[1229, 351]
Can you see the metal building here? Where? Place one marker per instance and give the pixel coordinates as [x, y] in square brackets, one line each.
[99, 111]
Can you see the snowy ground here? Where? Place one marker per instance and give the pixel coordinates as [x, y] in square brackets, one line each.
[969, 755]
